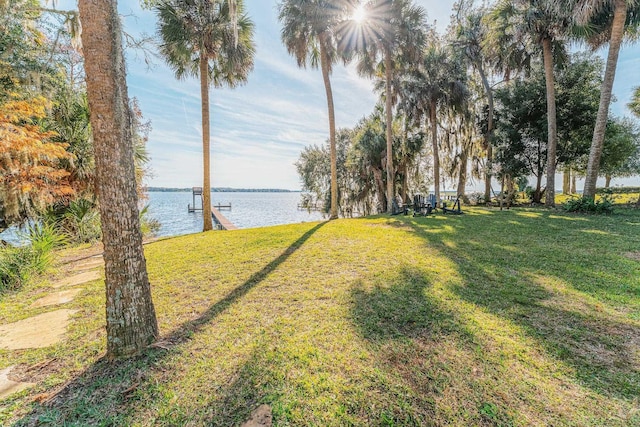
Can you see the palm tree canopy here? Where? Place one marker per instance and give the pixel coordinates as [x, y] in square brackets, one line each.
[394, 26]
[439, 81]
[518, 28]
[191, 28]
[308, 23]
[595, 19]
[506, 47]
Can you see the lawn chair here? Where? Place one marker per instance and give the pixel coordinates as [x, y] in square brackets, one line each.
[453, 210]
[431, 200]
[422, 206]
[399, 208]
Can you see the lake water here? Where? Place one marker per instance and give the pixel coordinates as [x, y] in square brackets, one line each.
[248, 210]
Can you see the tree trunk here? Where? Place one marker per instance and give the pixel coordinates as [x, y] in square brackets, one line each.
[552, 134]
[607, 182]
[436, 154]
[511, 191]
[324, 64]
[377, 176]
[566, 180]
[617, 33]
[502, 192]
[389, 119]
[462, 176]
[131, 320]
[487, 137]
[574, 188]
[206, 143]
[537, 195]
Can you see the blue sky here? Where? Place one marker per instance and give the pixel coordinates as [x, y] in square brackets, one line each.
[259, 130]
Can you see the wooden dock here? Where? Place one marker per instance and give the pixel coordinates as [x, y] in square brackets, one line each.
[221, 221]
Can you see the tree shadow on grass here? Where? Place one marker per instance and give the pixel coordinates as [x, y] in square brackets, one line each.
[407, 331]
[601, 349]
[105, 393]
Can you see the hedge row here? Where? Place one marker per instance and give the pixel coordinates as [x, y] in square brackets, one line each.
[619, 190]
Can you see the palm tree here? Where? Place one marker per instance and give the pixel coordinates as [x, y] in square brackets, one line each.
[309, 33]
[393, 33]
[546, 22]
[131, 319]
[471, 36]
[212, 39]
[492, 37]
[437, 84]
[605, 22]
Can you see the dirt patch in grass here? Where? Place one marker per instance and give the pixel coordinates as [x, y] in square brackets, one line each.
[633, 255]
[261, 417]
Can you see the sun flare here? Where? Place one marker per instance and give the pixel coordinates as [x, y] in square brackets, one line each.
[359, 15]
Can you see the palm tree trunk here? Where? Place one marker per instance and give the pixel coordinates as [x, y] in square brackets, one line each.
[607, 182]
[324, 64]
[389, 120]
[131, 320]
[617, 33]
[566, 180]
[552, 134]
[436, 154]
[574, 189]
[487, 137]
[206, 142]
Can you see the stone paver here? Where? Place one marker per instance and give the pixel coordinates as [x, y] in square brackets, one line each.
[38, 331]
[7, 386]
[261, 417]
[87, 264]
[78, 279]
[61, 297]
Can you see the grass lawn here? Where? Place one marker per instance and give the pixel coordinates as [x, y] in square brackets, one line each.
[521, 317]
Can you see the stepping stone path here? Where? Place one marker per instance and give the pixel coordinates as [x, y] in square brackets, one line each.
[38, 331]
[78, 279]
[57, 298]
[88, 263]
[7, 386]
[49, 328]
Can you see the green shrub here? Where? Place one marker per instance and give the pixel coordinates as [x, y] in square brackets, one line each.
[589, 205]
[19, 264]
[148, 225]
[618, 190]
[15, 267]
[81, 221]
[476, 198]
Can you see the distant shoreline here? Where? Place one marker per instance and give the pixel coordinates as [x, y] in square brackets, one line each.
[220, 190]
